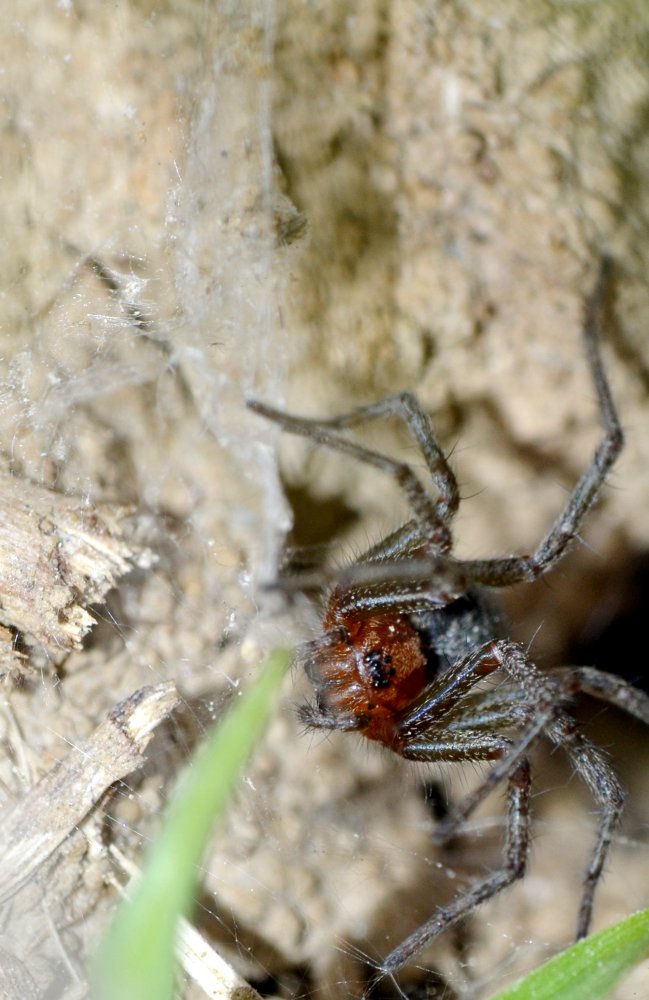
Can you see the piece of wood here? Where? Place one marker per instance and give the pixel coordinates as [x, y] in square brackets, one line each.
[57, 804]
[58, 554]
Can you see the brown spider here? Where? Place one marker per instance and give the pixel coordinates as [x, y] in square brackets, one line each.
[408, 635]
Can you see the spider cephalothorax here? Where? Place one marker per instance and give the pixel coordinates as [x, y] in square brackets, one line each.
[409, 636]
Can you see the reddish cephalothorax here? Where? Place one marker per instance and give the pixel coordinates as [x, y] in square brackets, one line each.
[412, 655]
[376, 670]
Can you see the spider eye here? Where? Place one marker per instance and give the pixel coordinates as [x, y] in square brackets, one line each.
[379, 667]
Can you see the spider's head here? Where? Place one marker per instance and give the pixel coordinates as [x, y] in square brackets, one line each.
[365, 671]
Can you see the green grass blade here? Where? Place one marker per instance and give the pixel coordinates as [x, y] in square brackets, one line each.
[137, 958]
[591, 968]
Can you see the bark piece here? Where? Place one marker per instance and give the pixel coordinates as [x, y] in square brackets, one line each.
[57, 555]
[40, 822]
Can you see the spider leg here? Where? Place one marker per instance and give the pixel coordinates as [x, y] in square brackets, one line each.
[515, 860]
[432, 515]
[535, 711]
[428, 716]
[402, 586]
[503, 572]
[591, 764]
[597, 773]
[406, 407]
[494, 710]
[406, 539]
[397, 586]
[388, 554]
[606, 687]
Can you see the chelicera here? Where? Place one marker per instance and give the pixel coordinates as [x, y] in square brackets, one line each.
[412, 654]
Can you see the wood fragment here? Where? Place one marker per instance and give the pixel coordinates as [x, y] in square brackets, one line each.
[55, 806]
[58, 554]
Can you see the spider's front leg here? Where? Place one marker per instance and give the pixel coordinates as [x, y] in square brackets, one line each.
[531, 713]
[452, 724]
[515, 569]
[432, 515]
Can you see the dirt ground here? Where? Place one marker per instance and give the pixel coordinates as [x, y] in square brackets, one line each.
[316, 205]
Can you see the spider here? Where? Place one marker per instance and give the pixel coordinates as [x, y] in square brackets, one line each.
[408, 635]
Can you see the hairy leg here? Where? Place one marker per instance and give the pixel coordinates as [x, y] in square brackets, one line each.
[594, 769]
[605, 687]
[538, 698]
[433, 516]
[515, 859]
[503, 572]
